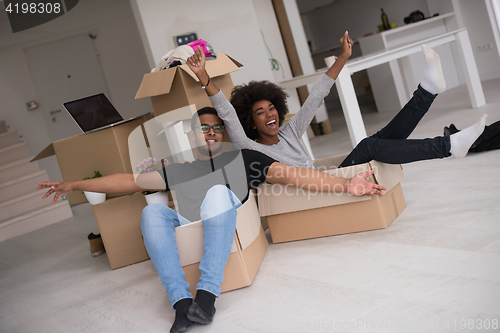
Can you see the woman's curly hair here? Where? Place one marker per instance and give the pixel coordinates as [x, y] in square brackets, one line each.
[244, 96]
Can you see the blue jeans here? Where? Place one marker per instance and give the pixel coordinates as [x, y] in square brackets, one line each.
[218, 212]
[390, 144]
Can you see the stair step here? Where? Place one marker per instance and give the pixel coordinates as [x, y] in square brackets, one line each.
[35, 219]
[13, 153]
[22, 185]
[3, 126]
[18, 169]
[23, 204]
[8, 139]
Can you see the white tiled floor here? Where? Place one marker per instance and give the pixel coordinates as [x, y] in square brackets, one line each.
[437, 264]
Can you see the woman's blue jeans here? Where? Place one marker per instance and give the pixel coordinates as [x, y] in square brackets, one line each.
[218, 212]
[390, 144]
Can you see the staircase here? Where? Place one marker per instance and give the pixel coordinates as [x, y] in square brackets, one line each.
[22, 208]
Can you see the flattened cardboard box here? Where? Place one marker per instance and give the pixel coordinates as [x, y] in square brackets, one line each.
[293, 214]
[105, 150]
[177, 87]
[119, 222]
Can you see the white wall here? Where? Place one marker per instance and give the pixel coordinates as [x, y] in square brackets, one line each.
[229, 26]
[325, 25]
[493, 7]
[474, 17]
[120, 52]
[440, 6]
[269, 27]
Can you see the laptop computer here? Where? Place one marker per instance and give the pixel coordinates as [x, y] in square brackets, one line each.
[95, 113]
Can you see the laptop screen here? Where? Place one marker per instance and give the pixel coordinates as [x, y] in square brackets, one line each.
[93, 112]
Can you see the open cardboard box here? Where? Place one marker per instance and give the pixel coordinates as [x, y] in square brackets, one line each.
[293, 214]
[178, 86]
[119, 222]
[247, 252]
[104, 150]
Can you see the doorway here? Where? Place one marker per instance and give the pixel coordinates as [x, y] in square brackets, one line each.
[63, 71]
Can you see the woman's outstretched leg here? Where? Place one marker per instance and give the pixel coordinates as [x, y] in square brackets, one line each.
[433, 79]
[433, 83]
[406, 151]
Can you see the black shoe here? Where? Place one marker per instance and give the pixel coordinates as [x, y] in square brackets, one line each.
[181, 322]
[453, 129]
[450, 130]
[196, 314]
[446, 131]
[179, 327]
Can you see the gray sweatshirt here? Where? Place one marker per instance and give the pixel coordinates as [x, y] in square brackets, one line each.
[289, 150]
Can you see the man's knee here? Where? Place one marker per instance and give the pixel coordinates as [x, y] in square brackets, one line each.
[218, 200]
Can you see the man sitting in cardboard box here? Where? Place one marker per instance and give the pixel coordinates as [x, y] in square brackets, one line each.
[210, 189]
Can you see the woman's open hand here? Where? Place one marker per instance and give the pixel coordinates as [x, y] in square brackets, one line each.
[196, 62]
[359, 185]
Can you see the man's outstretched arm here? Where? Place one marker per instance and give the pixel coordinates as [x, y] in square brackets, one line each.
[312, 179]
[112, 184]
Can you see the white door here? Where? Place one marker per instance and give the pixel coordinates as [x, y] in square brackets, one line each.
[64, 71]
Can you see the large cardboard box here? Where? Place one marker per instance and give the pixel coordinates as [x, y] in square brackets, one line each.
[294, 214]
[105, 150]
[119, 222]
[177, 87]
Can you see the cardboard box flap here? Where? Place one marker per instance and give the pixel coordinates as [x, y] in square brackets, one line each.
[388, 175]
[46, 152]
[190, 242]
[248, 227]
[189, 236]
[157, 83]
[239, 64]
[330, 162]
[224, 64]
[349, 172]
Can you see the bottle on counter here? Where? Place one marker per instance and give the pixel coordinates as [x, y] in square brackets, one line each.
[385, 20]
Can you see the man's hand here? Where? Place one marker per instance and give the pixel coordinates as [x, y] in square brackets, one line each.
[358, 185]
[346, 43]
[55, 187]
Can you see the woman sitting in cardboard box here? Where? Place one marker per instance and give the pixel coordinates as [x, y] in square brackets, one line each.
[257, 110]
[210, 188]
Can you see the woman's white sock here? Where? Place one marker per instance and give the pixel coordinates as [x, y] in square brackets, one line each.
[461, 141]
[433, 79]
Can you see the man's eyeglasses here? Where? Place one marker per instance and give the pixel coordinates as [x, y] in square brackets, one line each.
[203, 128]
